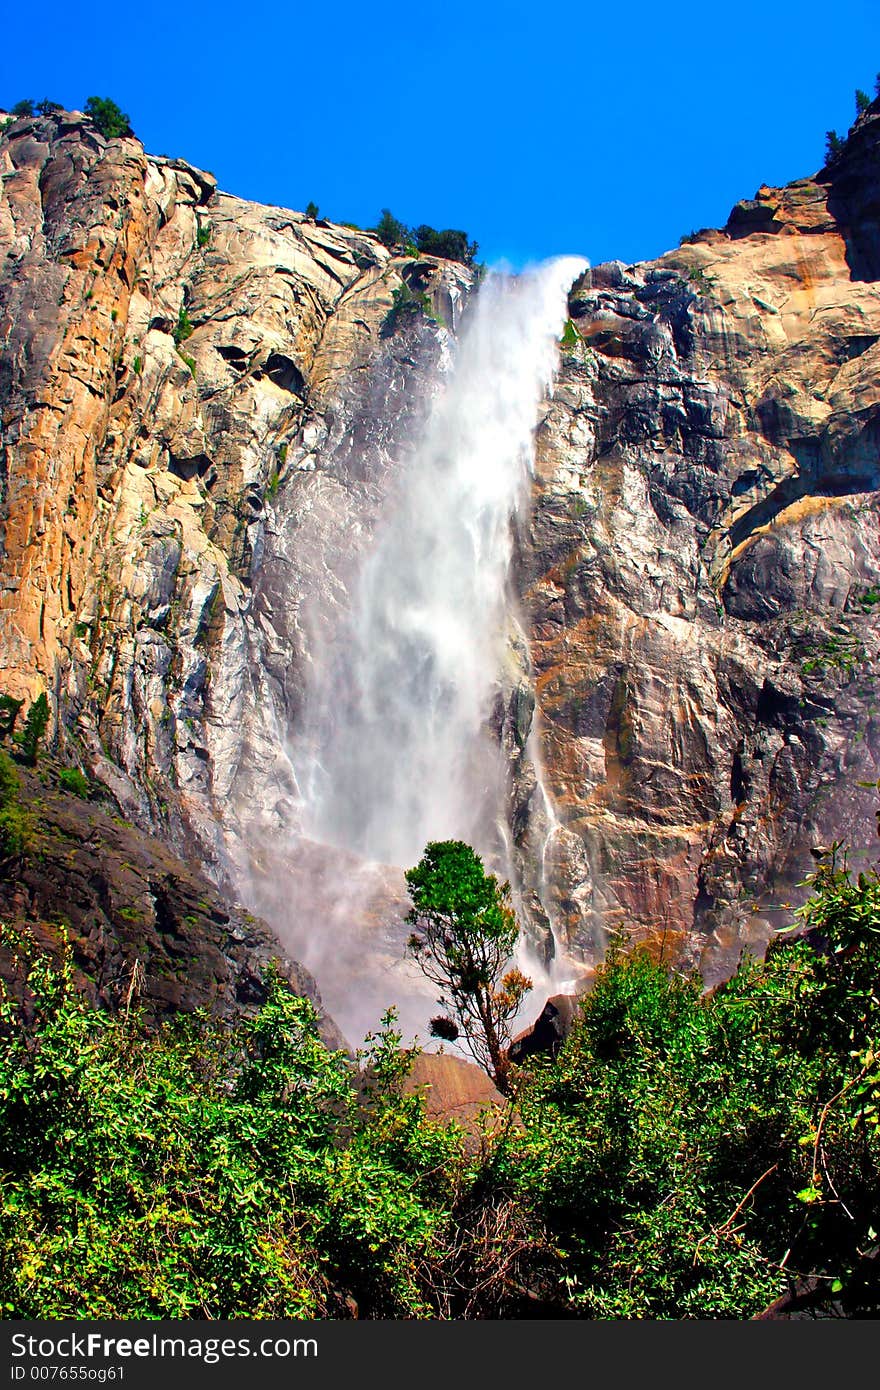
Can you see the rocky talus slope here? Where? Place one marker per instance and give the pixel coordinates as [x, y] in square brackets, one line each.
[203, 405]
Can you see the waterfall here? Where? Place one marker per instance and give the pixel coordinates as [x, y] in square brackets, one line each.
[402, 754]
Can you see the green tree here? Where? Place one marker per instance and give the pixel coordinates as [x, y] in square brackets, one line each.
[312, 211]
[110, 120]
[863, 101]
[833, 145]
[464, 936]
[390, 230]
[450, 244]
[35, 726]
[25, 107]
[47, 107]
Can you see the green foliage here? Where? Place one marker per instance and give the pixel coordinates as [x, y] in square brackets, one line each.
[47, 107]
[687, 1154]
[312, 211]
[206, 1171]
[183, 328]
[833, 145]
[203, 235]
[464, 936]
[571, 336]
[35, 726]
[868, 598]
[72, 780]
[25, 107]
[450, 245]
[190, 362]
[137, 366]
[700, 281]
[14, 822]
[863, 101]
[9, 711]
[407, 305]
[838, 651]
[690, 1153]
[390, 230]
[107, 116]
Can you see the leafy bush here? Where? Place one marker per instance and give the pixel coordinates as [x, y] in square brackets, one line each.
[25, 107]
[406, 306]
[687, 1155]
[183, 329]
[107, 116]
[14, 823]
[312, 211]
[72, 780]
[863, 101]
[691, 1154]
[204, 1171]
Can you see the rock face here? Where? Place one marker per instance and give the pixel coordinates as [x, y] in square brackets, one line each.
[174, 363]
[701, 572]
[203, 405]
[142, 925]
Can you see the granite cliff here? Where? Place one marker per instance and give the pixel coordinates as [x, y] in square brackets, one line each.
[203, 404]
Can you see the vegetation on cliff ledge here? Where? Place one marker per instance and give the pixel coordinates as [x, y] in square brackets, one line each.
[684, 1156]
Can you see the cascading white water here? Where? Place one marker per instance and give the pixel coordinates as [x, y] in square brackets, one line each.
[403, 755]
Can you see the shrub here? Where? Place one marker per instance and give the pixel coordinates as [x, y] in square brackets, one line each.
[406, 306]
[72, 780]
[203, 235]
[206, 1170]
[107, 116]
[47, 107]
[863, 101]
[183, 328]
[25, 107]
[14, 823]
[571, 336]
[312, 211]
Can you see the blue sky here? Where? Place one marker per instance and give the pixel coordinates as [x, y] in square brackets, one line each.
[539, 129]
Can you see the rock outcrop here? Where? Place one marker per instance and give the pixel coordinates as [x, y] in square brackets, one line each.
[701, 571]
[203, 405]
[142, 925]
